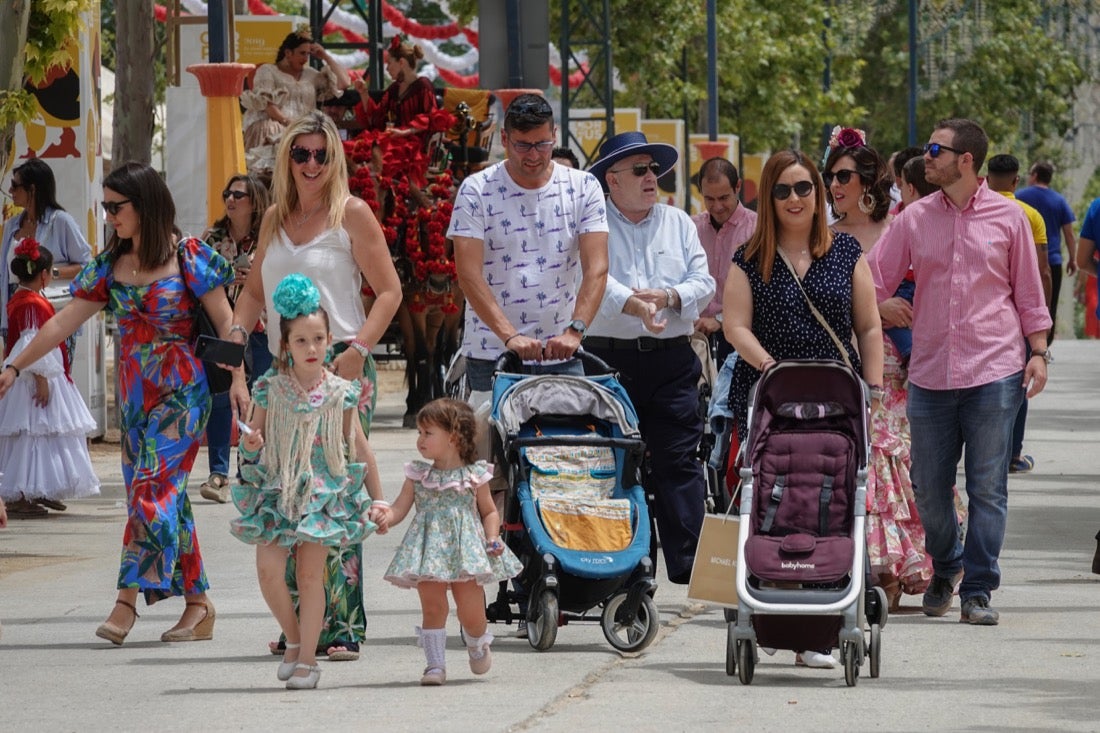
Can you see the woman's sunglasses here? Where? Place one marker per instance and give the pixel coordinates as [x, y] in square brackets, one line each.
[302, 155]
[782, 191]
[113, 207]
[842, 176]
[640, 169]
[933, 150]
[237, 195]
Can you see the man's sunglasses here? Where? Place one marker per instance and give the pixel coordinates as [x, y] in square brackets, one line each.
[934, 149]
[640, 169]
[237, 195]
[302, 155]
[113, 207]
[524, 148]
[782, 191]
[843, 176]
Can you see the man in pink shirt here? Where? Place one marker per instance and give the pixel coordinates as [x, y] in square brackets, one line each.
[978, 291]
[723, 227]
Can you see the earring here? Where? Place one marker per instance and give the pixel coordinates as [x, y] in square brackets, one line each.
[329, 355]
[866, 202]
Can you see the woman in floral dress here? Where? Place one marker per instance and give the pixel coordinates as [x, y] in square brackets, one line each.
[153, 286]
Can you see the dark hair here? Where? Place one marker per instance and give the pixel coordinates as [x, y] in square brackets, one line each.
[760, 249]
[401, 50]
[27, 269]
[1043, 172]
[36, 173]
[872, 173]
[913, 174]
[146, 191]
[456, 418]
[282, 361]
[715, 169]
[1003, 165]
[257, 193]
[527, 112]
[291, 42]
[969, 137]
[567, 154]
[903, 156]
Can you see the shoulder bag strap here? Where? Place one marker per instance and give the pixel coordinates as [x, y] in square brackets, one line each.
[817, 314]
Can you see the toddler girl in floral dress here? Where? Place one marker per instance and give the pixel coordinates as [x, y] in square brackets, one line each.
[454, 540]
[303, 490]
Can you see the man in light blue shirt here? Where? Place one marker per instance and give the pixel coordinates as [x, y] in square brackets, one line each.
[658, 284]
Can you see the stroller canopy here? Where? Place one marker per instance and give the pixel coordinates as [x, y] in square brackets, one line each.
[554, 394]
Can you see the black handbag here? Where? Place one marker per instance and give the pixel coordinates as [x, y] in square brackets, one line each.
[219, 380]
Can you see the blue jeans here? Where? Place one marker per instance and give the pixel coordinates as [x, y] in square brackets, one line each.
[942, 422]
[219, 430]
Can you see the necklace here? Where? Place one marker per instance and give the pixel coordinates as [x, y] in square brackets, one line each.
[314, 395]
[302, 220]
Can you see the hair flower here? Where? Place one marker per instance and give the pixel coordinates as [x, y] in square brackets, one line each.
[395, 42]
[27, 248]
[296, 296]
[847, 137]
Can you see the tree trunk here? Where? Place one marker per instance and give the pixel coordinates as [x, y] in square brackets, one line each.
[14, 16]
[133, 125]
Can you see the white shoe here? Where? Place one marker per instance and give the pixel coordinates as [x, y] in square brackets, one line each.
[769, 650]
[307, 682]
[817, 660]
[286, 668]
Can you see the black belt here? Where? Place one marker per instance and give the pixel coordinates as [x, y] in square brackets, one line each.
[644, 343]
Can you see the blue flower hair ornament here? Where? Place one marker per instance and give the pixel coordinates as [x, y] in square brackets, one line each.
[296, 296]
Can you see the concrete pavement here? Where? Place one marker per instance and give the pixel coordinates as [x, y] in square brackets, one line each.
[1038, 670]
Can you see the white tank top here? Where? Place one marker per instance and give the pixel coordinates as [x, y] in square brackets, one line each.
[327, 261]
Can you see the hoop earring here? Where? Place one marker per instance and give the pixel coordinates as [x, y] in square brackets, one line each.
[867, 202]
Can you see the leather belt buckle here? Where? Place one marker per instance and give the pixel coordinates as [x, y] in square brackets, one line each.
[648, 343]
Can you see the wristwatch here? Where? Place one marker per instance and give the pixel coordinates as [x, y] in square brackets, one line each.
[1044, 354]
[578, 325]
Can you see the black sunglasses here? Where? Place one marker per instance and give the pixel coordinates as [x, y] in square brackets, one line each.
[639, 169]
[302, 155]
[113, 207]
[530, 107]
[843, 176]
[782, 191]
[934, 149]
[237, 195]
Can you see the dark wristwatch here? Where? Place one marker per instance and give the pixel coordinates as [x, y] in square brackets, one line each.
[1043, 354]
[578, 325]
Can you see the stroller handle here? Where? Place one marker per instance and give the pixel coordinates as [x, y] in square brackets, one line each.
[510, 362]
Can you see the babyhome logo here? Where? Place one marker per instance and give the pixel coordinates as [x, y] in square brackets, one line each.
[795, 565]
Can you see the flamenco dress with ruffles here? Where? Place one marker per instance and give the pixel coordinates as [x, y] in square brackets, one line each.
[445, 542]
[43, 450]
[302, 489]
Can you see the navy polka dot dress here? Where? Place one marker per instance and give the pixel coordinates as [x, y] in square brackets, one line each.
[783, 323]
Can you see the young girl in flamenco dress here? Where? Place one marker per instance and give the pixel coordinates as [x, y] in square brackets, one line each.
[454, 540]
[43, 421]
[303, 490]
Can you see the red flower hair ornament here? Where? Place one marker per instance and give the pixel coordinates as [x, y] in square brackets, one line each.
[28, 249]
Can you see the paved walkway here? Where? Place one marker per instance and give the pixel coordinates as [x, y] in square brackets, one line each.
[1038, 670]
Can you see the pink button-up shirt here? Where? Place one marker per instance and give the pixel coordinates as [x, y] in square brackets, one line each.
[978, 287]
[720, 245]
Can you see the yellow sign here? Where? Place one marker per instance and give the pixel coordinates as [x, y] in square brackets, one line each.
[258, 40]
[588, 126]
[672, 185]
[703, 149]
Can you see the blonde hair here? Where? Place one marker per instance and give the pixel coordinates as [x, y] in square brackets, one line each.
[760, 249]
[335, 175]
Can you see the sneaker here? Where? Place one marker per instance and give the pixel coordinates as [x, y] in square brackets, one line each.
[1021, 464]
[938, 598]
[521, 629]
[976, 611]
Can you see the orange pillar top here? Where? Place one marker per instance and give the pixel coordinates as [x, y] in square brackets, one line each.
[507, 95]
[221, 80]
[712, 149]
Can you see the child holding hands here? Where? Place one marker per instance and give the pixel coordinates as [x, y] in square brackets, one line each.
[304, 491]
[454, 540]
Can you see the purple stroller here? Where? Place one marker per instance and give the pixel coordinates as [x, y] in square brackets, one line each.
[802, 572]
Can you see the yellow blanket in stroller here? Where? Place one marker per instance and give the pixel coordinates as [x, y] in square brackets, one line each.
[572, 486]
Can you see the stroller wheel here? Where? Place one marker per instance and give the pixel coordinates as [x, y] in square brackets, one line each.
[624, 633]
[875, 649]
[731, 652]
[746, 653]
[542, 621]
[851, 663]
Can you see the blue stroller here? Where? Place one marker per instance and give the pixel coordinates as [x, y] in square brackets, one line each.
[575, 512]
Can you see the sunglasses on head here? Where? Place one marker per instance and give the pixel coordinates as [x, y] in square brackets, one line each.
[782, 191]
[531, 107]
[302, 155]
[113, 207]
[640, 169]
[842, 176]
[542, 146]
[237, 195]
[933, 150]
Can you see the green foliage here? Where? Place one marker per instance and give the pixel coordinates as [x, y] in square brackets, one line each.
[52, 30]
[16, 107]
